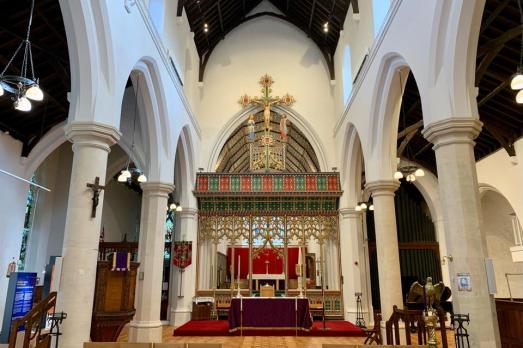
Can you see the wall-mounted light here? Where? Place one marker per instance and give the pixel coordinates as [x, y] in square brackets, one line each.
[205, 27]
[326, 27]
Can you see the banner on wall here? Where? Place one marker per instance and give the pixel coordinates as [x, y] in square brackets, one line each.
[182, 254]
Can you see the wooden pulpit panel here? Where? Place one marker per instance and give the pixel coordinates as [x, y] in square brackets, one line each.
[113, 301]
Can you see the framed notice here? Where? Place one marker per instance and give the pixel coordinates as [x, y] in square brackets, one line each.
[464, 283]
[19, 300]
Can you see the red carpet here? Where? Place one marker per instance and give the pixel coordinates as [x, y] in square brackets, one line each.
[221, 328]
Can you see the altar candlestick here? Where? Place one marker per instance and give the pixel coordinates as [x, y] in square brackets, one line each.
[239, 263]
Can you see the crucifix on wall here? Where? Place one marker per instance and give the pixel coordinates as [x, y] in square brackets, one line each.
[96, 188]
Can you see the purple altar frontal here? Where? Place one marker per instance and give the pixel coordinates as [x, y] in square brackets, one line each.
[269, 313]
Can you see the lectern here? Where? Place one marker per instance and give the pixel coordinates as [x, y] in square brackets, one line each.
[113, 301]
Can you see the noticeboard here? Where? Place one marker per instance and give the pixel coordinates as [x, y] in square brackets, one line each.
[19, 300]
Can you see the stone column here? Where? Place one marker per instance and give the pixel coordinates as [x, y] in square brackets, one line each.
[389, 272]
[459, 194]
[146, 325]
[183, 307]
[91, 146]
[353, 263]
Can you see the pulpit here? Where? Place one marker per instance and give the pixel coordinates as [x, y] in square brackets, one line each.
[113, 301]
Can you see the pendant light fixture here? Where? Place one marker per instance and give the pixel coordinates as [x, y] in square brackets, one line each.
[363, 206]
[410, 171]
[517, 79]
[126, 175]
[22, 86]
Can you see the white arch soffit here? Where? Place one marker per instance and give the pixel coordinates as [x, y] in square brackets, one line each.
[385, 113]
[461, 58]
[53, 139]
[152, 104]
[352, 165]
[303, 125]
[184, 171]
[83, 50]
[186, 156]
[484, 188]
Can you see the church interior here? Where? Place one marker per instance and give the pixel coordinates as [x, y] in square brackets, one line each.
[261, 173]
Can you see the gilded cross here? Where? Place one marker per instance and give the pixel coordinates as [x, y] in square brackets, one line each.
[266, 100]
[96, 188]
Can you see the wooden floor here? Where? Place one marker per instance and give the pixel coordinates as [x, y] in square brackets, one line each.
[264, 341]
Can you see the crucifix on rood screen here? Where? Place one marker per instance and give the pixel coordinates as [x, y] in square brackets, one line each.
[96, 188]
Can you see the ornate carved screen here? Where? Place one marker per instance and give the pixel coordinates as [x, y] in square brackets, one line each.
[276, 219]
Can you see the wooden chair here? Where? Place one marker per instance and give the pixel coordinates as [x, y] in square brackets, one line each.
[411, 319]
[374, 334]
[267, 291]
[414, 323]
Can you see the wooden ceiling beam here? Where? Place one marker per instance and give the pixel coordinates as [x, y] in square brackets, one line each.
[412, 128]
[218, 4]
[312, 14]
[500, 40]
[355, 6]
[493, 93]
[493, 15]
[500, 137]
[39, 47]
[485, 63]
[179, 8]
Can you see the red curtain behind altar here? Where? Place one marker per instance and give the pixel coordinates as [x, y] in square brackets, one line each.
[258, 263]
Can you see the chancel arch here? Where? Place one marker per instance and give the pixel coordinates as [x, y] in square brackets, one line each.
[272, 218]
[501, 230]
[296, 121]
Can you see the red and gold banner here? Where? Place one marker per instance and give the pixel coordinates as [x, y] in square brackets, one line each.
[182, 253]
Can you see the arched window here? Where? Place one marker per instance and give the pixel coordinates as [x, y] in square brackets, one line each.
[379, 12]
[347, 74]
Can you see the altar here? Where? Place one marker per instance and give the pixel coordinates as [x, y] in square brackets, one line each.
[276, 313]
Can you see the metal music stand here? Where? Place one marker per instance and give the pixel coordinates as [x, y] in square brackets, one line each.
[360, 321]
[461, 334]
[56, 319]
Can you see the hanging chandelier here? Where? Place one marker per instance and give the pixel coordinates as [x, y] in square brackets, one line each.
[23, 87]
[127, 174]
[517, 79]
[410, 172]
[363, 206]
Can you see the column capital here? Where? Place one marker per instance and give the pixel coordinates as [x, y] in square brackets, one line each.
[154, 187]
[382, 187]
[188, 213]
[92, 134]
[349, 213]
[456, 130]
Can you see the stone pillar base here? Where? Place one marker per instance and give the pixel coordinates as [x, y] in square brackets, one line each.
[180, 316]
[350, 315]
[145, 331]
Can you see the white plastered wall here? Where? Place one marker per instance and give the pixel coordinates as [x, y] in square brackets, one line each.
[12, 208]
[265, 45]
[47, 232]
